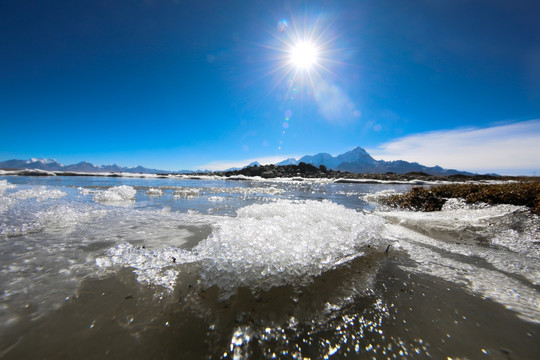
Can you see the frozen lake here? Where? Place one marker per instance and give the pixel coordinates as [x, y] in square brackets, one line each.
[213, 268]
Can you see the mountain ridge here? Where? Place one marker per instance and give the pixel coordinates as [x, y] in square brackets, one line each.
[83, 166]
[357, 160]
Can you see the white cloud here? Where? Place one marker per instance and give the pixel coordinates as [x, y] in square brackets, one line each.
[223, 165]
[504, 149]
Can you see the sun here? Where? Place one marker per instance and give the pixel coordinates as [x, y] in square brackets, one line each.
[304, 55]
[303, 51]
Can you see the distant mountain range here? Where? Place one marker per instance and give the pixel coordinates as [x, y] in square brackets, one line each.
[356, 161]
[254, 163]
[359, 161]
[53, 165]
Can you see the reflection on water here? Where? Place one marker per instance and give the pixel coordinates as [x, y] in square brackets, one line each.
[366, 309]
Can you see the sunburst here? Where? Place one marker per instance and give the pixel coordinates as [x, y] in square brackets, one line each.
[304, 55]
[304, 51]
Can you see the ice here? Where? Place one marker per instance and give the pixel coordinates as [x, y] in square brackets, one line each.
[86, 191]
[9, 200]
[491, 250]
[492, 283]
[284, 242]
[28, 172]
[54, 236]
[49, 247]
[27, 219]
[64, 215]
[379, 195]
[154, 192]
[393, 182]
[5, 201]
[475, 224]
[4, 185]
[265, 245]
[152, 266]
[43, 256]
[117, 195]
[460, 204]
[258, 190]
[187, 193]
[39, 193]
[191, 193]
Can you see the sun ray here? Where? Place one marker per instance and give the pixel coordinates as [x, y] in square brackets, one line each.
[301, 53]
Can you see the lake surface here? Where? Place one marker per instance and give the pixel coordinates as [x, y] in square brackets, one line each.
[183, 268]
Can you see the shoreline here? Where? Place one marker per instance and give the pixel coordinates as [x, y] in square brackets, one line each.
[428, 192]
[524, 193]
[288, 173]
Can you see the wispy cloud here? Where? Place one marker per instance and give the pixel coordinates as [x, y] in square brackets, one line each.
[334, 104]
[223, 165]
[505, 149]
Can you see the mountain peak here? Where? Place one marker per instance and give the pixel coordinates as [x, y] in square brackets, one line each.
[356, 155]
[289, 161]
[83, 166]
[359, 149]
[41, 161]
[358, 160]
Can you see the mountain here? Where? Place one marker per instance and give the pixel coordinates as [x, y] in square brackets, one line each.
[53, 165]
[359, 161]
[43, 161]
[289, 161]
[41, 164]
[251, 164]
[321, 159]
[83, 167]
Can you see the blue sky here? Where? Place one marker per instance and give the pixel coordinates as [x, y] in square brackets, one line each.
[207, 84]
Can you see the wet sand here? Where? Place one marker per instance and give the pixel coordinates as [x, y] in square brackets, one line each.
[368, 308]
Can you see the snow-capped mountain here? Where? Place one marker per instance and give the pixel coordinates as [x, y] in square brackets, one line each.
[42, 161]
[356, 160]
[41, 164]
[254, 163]
[84, 166]
[289, 161]
[359, 161]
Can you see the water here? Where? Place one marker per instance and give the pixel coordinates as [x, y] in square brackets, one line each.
[181, 268]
